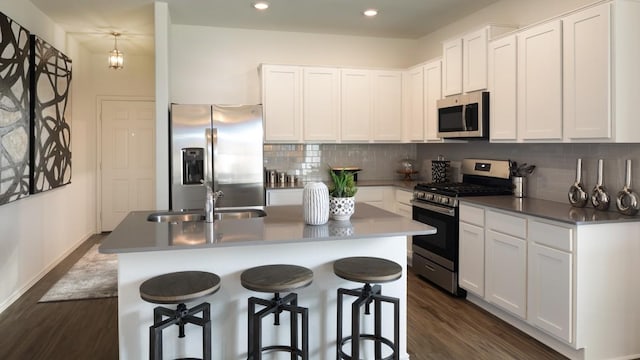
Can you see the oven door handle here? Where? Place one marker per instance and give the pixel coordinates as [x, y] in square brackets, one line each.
[439, 209]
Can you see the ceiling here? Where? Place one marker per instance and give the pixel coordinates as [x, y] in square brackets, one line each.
[91, 21]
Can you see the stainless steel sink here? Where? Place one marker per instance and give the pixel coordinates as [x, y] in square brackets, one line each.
[220, 214]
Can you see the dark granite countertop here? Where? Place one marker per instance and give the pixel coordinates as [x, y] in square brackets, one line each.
[282, 224]
[552, 210]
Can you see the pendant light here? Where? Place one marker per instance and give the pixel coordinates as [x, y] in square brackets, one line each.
[116, 59]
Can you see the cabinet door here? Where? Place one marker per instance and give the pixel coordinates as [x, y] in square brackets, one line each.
[550, 288]
[471, 258]
[356, 104]
[432, 93]
[506, 272]
[474, 61]
[587, 73]
[502, 88]
[321, 104]
[452, 67]
[282, 101]
[540, 82]
[372, 195]
[414, 98]
[284, 197]
[387, 105]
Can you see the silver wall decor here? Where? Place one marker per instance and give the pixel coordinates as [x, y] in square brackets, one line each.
[51, 134]
[14, 110]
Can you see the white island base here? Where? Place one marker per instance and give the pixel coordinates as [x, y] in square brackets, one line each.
[229, 304]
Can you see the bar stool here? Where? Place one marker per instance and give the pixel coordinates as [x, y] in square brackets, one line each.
[277, 279]
[368, 270]
[179, 288]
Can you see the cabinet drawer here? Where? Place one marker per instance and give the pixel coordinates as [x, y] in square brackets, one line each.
[404, 197]
[284, 197]
[370, 194]
[554, 236]
[471, 214]
[507, 224]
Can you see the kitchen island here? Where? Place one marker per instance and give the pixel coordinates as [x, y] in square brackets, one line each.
[228, 247]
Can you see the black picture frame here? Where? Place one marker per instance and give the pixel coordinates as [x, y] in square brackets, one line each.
[15, 130]
[50, 75]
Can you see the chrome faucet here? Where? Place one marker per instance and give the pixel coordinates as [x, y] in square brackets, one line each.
[210, 203]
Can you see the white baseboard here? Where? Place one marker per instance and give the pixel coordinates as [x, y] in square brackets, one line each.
[18, 293]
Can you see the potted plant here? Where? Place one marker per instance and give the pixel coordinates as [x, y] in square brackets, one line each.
[341, 194]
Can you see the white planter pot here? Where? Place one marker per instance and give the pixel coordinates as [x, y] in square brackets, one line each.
[315, 203]
[341, 208]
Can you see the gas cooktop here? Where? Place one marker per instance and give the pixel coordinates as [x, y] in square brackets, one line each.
[464, 189]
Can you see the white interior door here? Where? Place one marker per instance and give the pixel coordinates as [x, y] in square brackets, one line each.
[127, 159]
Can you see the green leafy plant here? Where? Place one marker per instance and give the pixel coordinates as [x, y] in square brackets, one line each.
[343, 185]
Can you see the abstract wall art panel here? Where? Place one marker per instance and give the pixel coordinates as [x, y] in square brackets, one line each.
[50, 131]
[14, 110]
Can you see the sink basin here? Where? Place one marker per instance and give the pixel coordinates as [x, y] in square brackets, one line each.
[219, 214]
[223, 214]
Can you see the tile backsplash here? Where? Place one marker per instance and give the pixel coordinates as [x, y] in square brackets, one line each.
[310, 162]
[555, 163]
[554, 174]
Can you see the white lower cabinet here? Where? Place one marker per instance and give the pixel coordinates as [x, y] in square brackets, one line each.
[379, 196]
[506, 272]
[284, 197]
[550, 278]
[521, 265]
[403, 203]
[471, 258]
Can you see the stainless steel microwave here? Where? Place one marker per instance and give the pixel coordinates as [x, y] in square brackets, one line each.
[464, 116]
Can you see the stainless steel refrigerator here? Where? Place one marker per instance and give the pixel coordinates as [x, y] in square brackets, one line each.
[236, 148]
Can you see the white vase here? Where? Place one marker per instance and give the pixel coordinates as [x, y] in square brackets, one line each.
[315, 203]
[341, 208]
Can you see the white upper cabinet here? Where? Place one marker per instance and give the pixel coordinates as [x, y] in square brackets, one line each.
[601, 77]
[432, 73]
[423, 88]
[387, 106]
[357, 107]
[577, 78]
[415, 104]
[503, 89]
[464, 60]
[474, 60]
[587, 90]
[321, 104]
[539, 104]
[452, 67]
[282, 101]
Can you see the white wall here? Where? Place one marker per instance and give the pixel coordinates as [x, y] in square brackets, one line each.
[220, 65]
[39, 230]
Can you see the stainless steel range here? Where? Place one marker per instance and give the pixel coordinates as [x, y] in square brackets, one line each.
[435, 257]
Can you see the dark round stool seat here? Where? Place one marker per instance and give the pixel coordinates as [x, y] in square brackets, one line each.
[367, 270]
[276, 278]
[179, 287]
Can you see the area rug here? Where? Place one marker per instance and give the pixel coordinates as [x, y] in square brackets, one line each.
[94, 276]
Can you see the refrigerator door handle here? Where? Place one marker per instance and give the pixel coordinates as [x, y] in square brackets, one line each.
[208, 158]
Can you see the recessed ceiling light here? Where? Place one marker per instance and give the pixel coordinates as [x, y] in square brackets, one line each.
[261, 5]
[370, 12]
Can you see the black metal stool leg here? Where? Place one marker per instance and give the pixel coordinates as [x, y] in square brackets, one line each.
[293, 333]
[378, 327]
[339, 322]
[206, 332]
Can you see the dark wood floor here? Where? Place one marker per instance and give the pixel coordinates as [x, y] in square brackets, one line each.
[440, 327]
